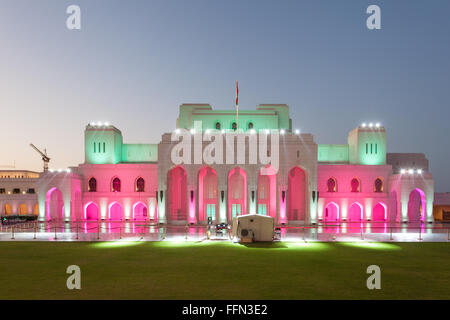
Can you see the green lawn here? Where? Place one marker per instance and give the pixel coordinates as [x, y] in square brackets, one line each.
[215, 270]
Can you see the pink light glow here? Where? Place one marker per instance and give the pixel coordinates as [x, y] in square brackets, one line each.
[90, 211]
[237, 192]
[207, 192]
[140, 211]
[177, 193]
[355, 212]
[331, 212]
[296, 194]
[379, 212]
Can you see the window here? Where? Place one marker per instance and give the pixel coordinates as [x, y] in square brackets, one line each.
[378, 185]
[355, 185]
[95, 147]
[116, 185]
[140, 185]
[234, 126]
[218, 125]
[31, 191]
[2, 190]
[104, 147]
[298, 153]
[331, 185]
[92, 185]
[250, 125]
[16, 190]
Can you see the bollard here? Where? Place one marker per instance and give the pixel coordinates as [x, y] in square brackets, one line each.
[420, 233]
[362, 237]
[34, 232]
[390, 237]
[120, 232]
[56, 237]
[164, 233]
[303, 229]
[77, 232]
[98, 232]
[12, 233]
[186, 233]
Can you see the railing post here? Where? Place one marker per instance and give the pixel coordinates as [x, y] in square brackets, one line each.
[98, 232]
[303, 233]
[164, 233]
[420, 233]
[77, 232]
[362, 237]
[56, 236]
[120, 232]
[34, 232]
[390, 236]
[12, 233]
[186, 232]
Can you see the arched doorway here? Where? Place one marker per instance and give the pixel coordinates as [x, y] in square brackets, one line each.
[115, 212]
[267, 192]
[237, 192]
[140, 211]
[7, 210]
[416, 205]
[91, 212]
[355, 212]
[23, 208]
[331, 212]
[177, 194]
[207, 194]
[296, 194]
[379, 212]
[55, 205]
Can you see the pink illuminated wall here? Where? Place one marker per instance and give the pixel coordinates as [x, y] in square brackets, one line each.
[237, 192]
[207, 193]
[296, 194]
[177, 194]
[54, 204]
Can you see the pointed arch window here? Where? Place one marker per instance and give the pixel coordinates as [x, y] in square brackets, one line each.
[331, 185]
[116, 185]
[140, 185]
[92, 185]
[355, 185]
[378, 185]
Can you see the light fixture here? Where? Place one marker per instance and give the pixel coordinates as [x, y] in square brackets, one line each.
[402, 171]
[282, 131]
[297, 131]
[52, 170]
[252, 131]
[411, 171]
[377, 125]
[364, 125]
[419, 171]
[267, 131]
[207, 131]
[371, 125]
[177, 131]
[68, 170]
[106, 124]
[223, 131]
[99, 124]
[192, 131]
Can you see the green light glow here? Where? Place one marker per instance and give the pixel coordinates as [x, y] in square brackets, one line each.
[371, 245]
[116, 244]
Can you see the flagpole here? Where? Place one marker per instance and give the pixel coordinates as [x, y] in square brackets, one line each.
[237, 106]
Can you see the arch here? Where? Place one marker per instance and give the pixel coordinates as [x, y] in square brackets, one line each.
[296, 194]
[355, 212]
[416, 205]
[207, 194]
[331, 212]
[7, 209]
[177, 193]
[115, 211]
[92, 185]
[91, 211]
[267, 192]
[36, 209]
[332, 185]
[140, 211]
[54, 204]
[355, 185]
[379, 212]
[116, 184]
[234, 126]
[217, 125]
[250, 125]
[23, 208]
[140, 184]
[237, 192]
[378, 185]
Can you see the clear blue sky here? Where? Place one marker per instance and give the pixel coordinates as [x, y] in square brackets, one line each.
[134, 62]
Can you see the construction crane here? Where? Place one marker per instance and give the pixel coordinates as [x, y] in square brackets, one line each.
[45, 158]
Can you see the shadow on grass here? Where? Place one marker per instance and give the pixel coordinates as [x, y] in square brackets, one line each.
[265, 245]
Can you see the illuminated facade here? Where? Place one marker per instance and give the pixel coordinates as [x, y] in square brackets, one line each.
[310, 182]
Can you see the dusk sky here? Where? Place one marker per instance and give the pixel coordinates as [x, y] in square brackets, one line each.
[134, 62]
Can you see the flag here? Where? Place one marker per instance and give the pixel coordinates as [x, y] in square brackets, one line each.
[237, 94]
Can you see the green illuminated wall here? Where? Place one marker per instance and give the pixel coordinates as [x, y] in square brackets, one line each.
[264, 117]
[367, 146]
[104, 145]
[333, 153]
